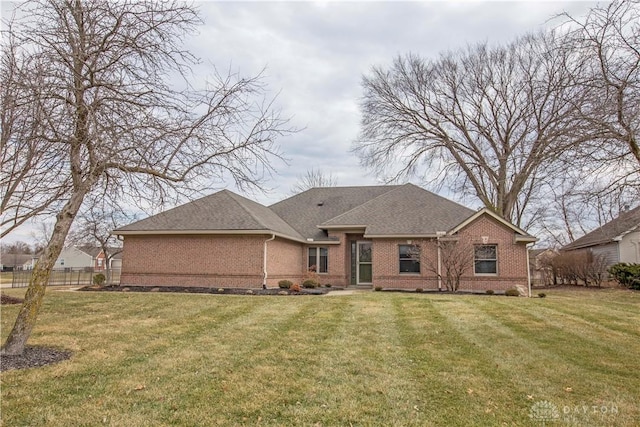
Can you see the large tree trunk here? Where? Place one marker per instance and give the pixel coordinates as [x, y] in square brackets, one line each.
[28, 314]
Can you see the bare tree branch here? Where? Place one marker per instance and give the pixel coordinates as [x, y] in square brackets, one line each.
[491, 117]
[96, 78]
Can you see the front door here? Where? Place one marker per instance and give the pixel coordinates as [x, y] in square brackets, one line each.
[364, 266]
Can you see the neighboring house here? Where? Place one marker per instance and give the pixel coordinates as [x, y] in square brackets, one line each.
[351, 236]
[116, 261]
[541, 272]
[13, 262]
[76, 257]
[86, 257]
[618, 240]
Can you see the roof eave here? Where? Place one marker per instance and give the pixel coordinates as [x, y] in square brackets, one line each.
[527, 239]
[342, 227]
[400, 236]
[521, 235]
[204, 233]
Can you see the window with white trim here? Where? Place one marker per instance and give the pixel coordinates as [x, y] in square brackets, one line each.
[318, 259]
[486, 259]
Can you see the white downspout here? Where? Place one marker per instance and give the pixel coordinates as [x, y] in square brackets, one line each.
[528, 271]
[438, 235]
[264, 266]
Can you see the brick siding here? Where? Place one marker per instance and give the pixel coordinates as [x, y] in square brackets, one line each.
[194, 260]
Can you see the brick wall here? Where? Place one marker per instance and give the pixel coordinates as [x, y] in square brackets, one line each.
[386, 265]
[194, 260]
[512, 263]
[285, 260]
[512, 257]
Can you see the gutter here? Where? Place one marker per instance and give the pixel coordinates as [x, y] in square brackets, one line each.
[264, 266]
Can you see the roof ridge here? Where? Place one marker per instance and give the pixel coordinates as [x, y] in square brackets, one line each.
[234, 197]
[391, 189]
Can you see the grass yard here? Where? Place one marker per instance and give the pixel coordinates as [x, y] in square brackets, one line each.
[389, 359]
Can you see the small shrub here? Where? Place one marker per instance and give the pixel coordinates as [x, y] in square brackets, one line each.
[512, 293]
[542, 295]
[418, 290]
[99, 279]
[309, 284]
[295, 288]
[327, 285]
[378, 288]
[626, 274]
[285, 284]
[489, 292]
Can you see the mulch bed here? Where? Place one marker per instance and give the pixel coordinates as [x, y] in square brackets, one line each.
[6, 299]
[204, 290]
[33, 357]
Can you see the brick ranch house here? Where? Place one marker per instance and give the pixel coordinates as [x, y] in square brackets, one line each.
[352, 236]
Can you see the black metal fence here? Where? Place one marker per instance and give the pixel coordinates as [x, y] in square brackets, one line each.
[67, 277]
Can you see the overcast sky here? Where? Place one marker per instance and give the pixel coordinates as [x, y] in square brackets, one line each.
[315, 54]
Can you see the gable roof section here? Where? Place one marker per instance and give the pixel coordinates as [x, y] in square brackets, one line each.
[305, 211]
[223, 212]
[521, 235]
[405, 211]
[92, 251]
[625, 223]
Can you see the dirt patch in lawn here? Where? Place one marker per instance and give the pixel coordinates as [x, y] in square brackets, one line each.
[204, 290]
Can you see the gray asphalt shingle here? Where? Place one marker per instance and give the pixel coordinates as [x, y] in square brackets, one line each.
[624, 223]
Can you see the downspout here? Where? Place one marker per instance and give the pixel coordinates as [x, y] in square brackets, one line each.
[264, 266]
[528, 271]
[438, 235]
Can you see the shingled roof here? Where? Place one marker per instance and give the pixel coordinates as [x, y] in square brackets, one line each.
[406, 210]
[625, 223]
[220, 212]
[380, 211]
[305, 211]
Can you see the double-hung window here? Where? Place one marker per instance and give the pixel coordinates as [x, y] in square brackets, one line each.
[486, 259]
[318, 260]
[409, 256]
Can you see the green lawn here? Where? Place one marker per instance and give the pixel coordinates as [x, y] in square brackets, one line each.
[375, 358]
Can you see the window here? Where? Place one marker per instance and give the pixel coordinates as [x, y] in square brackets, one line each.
[318, 260]
[409, 259]
[486, 259]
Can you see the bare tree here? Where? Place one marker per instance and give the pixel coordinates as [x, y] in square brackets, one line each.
[313, 178]
[31, 178]
[93, 227]
[575, 204]
[609, 37]
[456, 258]
[485, 121]
[18, 247]
[100, 79]
[583, 265]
